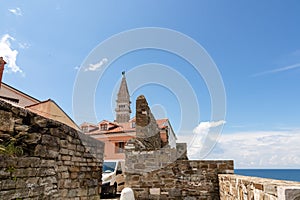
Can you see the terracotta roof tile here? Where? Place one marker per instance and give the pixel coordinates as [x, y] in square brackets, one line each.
[125, 127]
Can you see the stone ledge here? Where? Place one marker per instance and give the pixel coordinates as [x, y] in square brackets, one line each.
[247, 187]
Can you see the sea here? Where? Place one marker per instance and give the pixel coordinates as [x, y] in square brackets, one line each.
[280, 174]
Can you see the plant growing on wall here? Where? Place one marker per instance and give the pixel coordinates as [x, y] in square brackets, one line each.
[9, 148]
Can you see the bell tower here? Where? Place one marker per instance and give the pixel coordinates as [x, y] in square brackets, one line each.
[123, 102]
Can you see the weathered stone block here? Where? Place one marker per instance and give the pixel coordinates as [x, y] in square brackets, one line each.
[63, 193]
[40, 121]
[154, 191]
[92, 191]
[74, 169]
[48, 163]
[52, 154]
[46, 171]
[27, 162]
[32, 181]
[50, 140]
[65, 157]
[72, 193]
[82, 192]
[40, 150]
[6, 121]
[8, 184]
[33, 138]
[72, 147]
[79, 148]
[21, 128]
[27, 172]
[76, 159]
[74, 175]
[270, 189]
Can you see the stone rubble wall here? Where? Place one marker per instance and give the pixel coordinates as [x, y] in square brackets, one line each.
[181, 179]
[57, 162]
[237, 187]
[140, 162]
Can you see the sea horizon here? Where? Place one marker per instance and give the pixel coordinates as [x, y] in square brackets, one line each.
[279, 174]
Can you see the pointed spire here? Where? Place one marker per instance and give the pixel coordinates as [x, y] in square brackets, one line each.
[123, 102]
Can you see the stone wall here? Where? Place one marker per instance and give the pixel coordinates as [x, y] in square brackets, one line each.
[44, 159]
[182, 179]
[156, 172]
[236, 187]
[139, 162]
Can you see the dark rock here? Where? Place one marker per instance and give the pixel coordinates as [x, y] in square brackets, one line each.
[33, 138]
[50, 140]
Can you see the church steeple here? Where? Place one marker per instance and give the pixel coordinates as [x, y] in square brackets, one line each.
[123, 102]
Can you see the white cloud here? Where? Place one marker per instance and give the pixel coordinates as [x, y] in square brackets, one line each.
[203, 139]
[282, 69]
[8, 54]
[260, 149]
[204, 127]
[96, 66]
[252, 149]
[24, 45]
[16, 11]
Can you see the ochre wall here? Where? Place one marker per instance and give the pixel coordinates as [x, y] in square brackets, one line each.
[50, 110]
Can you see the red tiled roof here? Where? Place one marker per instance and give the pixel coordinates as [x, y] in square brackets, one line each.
[115, 130]
[161, 123]
[88, 124]
[125, 127]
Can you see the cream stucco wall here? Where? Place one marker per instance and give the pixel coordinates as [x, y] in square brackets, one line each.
[24, 100]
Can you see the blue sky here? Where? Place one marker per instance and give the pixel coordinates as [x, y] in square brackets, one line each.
[254, 44]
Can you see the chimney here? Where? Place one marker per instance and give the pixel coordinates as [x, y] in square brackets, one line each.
[2, 63]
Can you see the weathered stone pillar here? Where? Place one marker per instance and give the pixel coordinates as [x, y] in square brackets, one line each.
[147, 131]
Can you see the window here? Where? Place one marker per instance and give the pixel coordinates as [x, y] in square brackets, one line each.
[133, 125]
[103, 127]
[121, 106]
[119, 147]
[119, 168]
[85, 129]
[108, 167]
